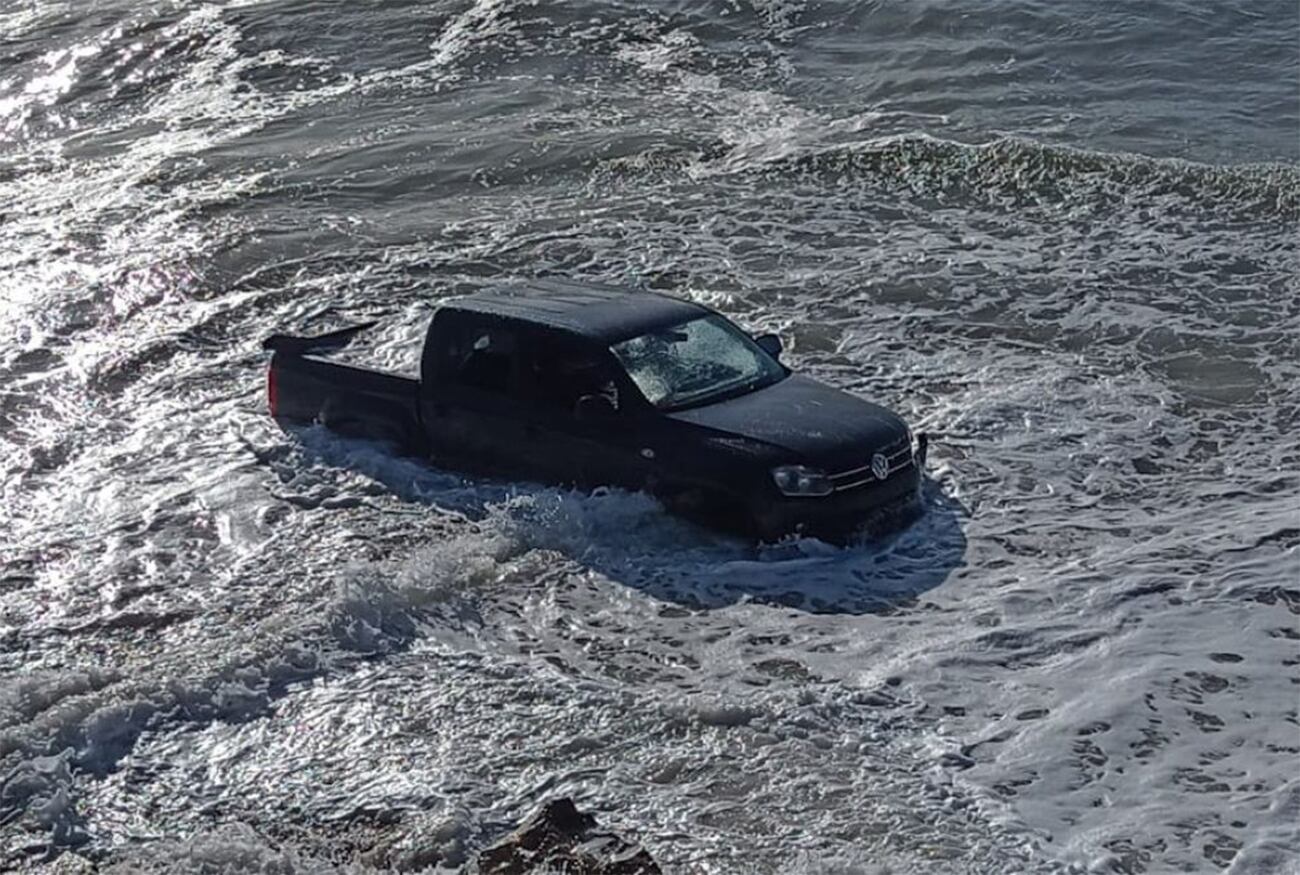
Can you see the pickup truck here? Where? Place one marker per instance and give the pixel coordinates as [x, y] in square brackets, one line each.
[585, 385]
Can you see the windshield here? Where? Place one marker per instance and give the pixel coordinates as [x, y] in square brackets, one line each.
[696, 362]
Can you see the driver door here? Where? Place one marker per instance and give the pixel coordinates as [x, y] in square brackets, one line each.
[597, 446]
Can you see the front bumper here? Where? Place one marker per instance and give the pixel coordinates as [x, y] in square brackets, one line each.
[876, 507]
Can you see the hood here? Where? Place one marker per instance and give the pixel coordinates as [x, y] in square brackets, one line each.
[808, 420]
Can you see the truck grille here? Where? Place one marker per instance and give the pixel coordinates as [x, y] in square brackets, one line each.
[899, 454]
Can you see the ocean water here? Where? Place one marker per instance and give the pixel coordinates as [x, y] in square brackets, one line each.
[1061, 235]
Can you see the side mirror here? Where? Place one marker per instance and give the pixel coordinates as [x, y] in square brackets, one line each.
[770, 344]
[594, 408]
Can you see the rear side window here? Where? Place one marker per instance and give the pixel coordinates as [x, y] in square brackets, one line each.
[481, 356]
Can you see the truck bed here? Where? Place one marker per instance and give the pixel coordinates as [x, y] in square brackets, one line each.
[356, 402]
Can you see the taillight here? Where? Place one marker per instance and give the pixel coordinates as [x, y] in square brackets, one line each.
[272, 393]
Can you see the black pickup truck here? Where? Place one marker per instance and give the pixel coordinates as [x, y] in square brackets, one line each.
[590, 385]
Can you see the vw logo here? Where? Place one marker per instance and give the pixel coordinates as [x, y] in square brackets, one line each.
[880, 466]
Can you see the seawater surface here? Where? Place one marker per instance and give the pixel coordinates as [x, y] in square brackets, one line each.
[1061, 236]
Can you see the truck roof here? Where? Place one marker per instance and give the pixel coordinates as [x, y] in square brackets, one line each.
[604, 313]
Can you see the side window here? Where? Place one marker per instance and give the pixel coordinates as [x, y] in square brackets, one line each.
[559, 373]
[482, 356]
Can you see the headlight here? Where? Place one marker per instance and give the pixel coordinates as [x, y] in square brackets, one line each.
[801, 481]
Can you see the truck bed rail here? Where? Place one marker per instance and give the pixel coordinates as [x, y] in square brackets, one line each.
[291, 344]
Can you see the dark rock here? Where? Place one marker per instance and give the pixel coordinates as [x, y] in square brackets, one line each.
[954, 760]
[560, 837]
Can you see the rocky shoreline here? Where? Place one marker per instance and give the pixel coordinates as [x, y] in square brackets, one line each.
[560, 837]
[557, 838]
